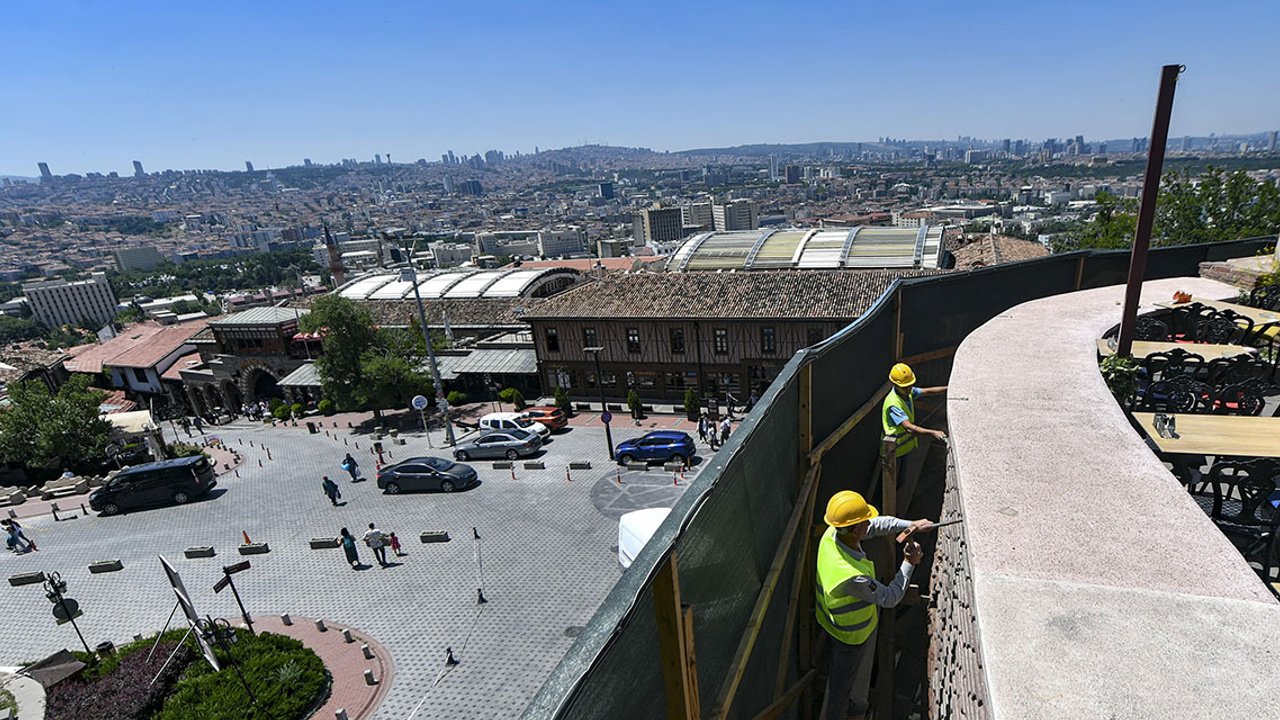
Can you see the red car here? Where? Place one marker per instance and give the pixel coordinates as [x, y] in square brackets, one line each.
[551, 416]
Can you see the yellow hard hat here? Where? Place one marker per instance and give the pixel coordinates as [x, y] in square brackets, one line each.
[902, 376]
[848, 508]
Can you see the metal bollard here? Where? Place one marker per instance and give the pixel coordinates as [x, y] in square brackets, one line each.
[320, 626]
[285, 619]
[368, 654]
[340, 714]
[369, 679]
[346, 635]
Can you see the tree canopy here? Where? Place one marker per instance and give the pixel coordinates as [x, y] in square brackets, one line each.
[41, 429]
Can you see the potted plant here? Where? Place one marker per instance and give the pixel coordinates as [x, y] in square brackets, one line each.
[1121, 376]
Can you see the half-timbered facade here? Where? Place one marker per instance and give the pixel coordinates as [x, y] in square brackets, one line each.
[719, 332]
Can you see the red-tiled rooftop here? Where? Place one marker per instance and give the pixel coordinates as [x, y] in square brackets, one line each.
[140, 346]
[186, 362]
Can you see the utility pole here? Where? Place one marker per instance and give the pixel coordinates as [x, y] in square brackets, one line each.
[605, 415]
[411, 275]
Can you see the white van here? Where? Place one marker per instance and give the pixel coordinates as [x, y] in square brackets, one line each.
[634, 530]
[512, 421]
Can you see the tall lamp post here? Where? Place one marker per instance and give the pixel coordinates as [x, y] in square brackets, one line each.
[608, 434]
[411, 275]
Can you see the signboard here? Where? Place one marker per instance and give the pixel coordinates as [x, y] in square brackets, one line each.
[60, 612]
[238, 567]
[189, 610]
[222, 584]
[419, 402]
[606, 416]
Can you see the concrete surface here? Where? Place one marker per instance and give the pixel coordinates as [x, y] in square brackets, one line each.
[1102, 589]
[548, 546]
[28, 693]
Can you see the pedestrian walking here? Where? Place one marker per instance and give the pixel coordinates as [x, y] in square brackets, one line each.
[199, 424]
[724, 431]
[349, 548]
[331, 489]
[751, 402]
[849, 598]
[395, 545]
[352, 467]
[702, 427]
[377, 541]
[729, 402]
[186, 425]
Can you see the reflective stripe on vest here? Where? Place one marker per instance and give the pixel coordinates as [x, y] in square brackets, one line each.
[848, 619]
[906, 440]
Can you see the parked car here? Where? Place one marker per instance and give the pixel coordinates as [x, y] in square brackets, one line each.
[425, 473]
[657, 446]
[634, 531]
[512, 421]
[510, 444]
[177, 481]
[549, 415]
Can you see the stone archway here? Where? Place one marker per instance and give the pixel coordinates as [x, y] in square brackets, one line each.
[234, 399]
[262, 385]
[212, 400]
[196, 400]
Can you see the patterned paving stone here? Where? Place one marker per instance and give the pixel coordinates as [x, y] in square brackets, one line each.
[547, 549]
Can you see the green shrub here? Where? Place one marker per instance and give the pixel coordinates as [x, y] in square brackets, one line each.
[633, 403]
[517, 399]
[281, 412]
[563, 402]
[275, 404]
[456, 398]
[325, 407]
[691, 408]
[287, 679]
[181, 450]
[506, 394]
[1121, 376]
[296, 409]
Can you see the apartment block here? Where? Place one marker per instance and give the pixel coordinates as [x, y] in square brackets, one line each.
[58, 302]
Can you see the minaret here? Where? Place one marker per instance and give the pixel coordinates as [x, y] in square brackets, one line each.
[335, 259]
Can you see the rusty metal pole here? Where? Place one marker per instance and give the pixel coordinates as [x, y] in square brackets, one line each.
[1147, 210]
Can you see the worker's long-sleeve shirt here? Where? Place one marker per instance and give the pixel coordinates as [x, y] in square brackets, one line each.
[868, 589]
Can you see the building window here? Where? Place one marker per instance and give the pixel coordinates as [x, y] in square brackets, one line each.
[608, 379]
[768, 341]
[553, 340]
[589, 338]
[677, 340]
[140, 375]
[721, 341]
[633, 340]
[815, 336]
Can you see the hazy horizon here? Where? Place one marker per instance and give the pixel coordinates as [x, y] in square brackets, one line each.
[91, 87]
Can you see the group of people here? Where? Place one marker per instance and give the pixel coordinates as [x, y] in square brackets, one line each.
[256, 410]
[375, 540]
[16, 540]
[713, 433]
[848, 596]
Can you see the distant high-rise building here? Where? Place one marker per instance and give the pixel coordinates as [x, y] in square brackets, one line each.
[1186, 143]
[377, 159]
[57, 302]
[792, 173]
[773, 167]
[45, 175]
[137, 169]
[248, 166]
[737, 215]
[1019, 148]
[1271, 144]
[306, 162]
[698, 215]
[658, 224]
[141, 257]
[472, 187]
[1102, 148]
[606, 190]
[974, 157]
[1007, 145]
[449, 185]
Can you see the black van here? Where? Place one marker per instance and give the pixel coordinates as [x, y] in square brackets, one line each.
[175, 481]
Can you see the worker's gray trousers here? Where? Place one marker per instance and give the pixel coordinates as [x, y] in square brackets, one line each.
[843, 675]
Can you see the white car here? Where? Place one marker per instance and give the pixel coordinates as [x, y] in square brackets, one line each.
[513, 421]
[634, 530]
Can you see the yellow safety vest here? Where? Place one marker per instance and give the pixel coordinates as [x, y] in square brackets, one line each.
[848, 619]
[906, 440]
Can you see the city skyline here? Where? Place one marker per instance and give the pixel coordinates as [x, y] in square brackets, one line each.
[98, 87]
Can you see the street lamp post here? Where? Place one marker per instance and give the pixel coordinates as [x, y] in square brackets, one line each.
[608, 434]
[411, 275]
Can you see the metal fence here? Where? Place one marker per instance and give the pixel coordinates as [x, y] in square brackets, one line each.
[719, 596]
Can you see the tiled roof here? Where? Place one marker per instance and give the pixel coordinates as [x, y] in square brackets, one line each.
[486, 312]
[141, 345]
[810, 294]
[259, 316]
[305, 376]
[186, 362]
[997, 249]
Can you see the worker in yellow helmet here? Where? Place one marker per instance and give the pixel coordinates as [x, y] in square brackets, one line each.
[898, 417]
[848, 596]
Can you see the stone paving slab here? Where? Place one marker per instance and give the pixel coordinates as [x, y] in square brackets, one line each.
[548, 553]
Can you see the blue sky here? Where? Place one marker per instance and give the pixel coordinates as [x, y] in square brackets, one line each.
[91, 86]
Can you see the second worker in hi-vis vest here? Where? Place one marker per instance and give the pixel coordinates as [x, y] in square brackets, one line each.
[848, 598]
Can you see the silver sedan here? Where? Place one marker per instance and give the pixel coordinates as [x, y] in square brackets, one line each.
[510, 444]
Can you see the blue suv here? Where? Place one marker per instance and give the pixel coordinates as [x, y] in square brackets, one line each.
[661, 445]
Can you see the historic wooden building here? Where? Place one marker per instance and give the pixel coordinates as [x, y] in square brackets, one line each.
[719, 332]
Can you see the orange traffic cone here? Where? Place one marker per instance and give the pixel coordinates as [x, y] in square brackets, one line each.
[513, 471]
[619, 476]
[675, 478]
[567, 476]
[247, 541]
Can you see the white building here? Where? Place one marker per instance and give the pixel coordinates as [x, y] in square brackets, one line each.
[449, 255]
[737, 215]
[560, 242]
[58, 302]
[142, 257]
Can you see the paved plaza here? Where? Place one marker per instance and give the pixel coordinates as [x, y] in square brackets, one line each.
[549, 550]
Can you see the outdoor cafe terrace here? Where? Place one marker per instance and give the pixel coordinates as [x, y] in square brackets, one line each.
[1102, 586]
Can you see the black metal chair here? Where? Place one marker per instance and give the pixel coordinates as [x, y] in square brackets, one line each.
[1148, 327]
[1244, 508]
[1179, 394]
[1169, 363]
[1238, 400]
[1224, 327]
[1265, 297]
[1184, 319]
